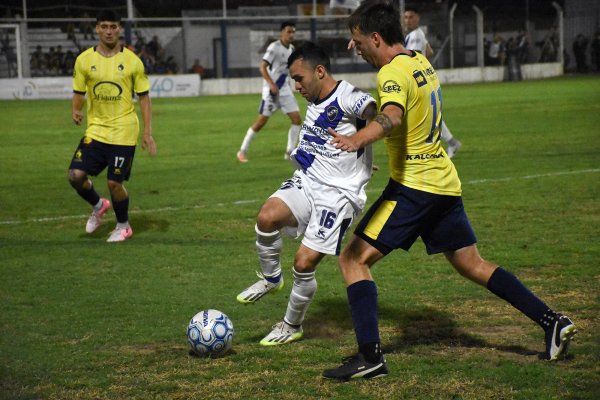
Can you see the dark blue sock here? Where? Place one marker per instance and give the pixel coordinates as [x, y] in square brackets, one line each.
[273, 279]
[90, 195]
[508, 287]
[121, 209]
[362, 297]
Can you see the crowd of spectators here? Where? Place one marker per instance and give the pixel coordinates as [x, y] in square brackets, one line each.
[56, 62]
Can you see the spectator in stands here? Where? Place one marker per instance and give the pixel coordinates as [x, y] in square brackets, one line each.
[60, 59]
[579, 50]
[126, 45]
[549, 47]
[68, 63]
[140, 42]
[171, 65]
[497, 51]
[37, 62]
[11, 57]
[86, 28]
[197, 68]
[595, 49]
[155, 48]
[522, 44]
[52, 62]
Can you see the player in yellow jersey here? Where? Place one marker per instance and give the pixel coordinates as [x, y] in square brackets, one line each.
[422, 198]
[109, 74]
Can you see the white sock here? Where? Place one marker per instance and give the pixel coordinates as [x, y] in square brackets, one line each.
[268, 248]
[293, 134]
[446, 134]
[303, 291]
[123, 225]
[98, 206]
[247, 139]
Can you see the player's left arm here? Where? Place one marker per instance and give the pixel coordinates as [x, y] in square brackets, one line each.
[428, 50]
[147, 140]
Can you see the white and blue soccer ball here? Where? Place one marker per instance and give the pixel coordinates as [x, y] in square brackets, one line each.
[210, 333]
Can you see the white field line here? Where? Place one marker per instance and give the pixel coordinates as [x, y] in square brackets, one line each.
[241, 202]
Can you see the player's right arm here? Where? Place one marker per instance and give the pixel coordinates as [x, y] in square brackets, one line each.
[264, 71]
[381, 126]
[79, 89]
[77, 103]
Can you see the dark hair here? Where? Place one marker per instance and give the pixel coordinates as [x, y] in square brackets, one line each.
[285, 24]
[382, 17]
[108, 15]
[413, 9]
[312, 54]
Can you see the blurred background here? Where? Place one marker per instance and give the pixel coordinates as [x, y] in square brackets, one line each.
[227, 38]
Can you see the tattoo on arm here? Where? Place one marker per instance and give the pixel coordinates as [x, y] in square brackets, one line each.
[385, 122]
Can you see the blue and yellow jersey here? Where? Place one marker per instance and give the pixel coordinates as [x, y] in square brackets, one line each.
[110, 83]
[416, 156]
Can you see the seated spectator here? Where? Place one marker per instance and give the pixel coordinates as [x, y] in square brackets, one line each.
[37, 62]
[171, 65]
[140, 42]
[198, 68]
[68, 63]
[52, 62]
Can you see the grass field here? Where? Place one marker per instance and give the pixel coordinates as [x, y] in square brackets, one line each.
[84, 319]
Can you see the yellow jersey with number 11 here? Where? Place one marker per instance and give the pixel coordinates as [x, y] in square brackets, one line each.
[109, 83]
[416, 156]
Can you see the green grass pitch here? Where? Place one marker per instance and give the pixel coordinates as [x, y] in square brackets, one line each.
[84, 319]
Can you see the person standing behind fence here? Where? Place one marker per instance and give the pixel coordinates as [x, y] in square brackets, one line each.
[109, 74]
[276, 92]
[415, 40]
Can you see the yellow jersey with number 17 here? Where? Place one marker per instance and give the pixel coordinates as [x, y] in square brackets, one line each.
[416, 156]
[110, 83]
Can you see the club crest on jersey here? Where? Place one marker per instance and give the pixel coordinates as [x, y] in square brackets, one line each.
[107, 91]
[391, 86]
[332, 113]
[93, 68]
[121, 67]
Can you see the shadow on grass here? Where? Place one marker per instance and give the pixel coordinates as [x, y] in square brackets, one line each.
[418, 326]
[138, 223]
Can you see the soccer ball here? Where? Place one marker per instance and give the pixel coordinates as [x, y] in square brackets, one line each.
[210, 333]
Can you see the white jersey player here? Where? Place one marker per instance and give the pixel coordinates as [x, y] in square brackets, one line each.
[415, 40]
[324, 195]
[276, 92]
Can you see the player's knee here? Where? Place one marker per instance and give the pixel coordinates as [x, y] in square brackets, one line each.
[76, 178]
[117, 190]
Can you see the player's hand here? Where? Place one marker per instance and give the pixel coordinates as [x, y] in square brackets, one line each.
[149, 145]
[77, 116]
[273, 90]
[342, 142]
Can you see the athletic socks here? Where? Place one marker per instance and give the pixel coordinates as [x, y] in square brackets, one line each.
[268, 248]
[121, 209]
[362, 297]
[303, 291]
[247, 139]
[91, 196]
[508, 287]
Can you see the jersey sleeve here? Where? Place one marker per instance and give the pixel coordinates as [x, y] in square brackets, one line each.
[270, 53]
[141, 84]
[79, 77]
[392, 87]
[358, 102]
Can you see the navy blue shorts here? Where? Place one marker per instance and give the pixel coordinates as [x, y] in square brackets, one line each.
[402, 214]
[92, 157]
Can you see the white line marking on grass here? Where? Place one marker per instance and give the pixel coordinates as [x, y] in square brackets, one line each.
[250, 201]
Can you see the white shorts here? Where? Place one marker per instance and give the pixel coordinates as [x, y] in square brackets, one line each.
[269, 104]
[323, 213]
